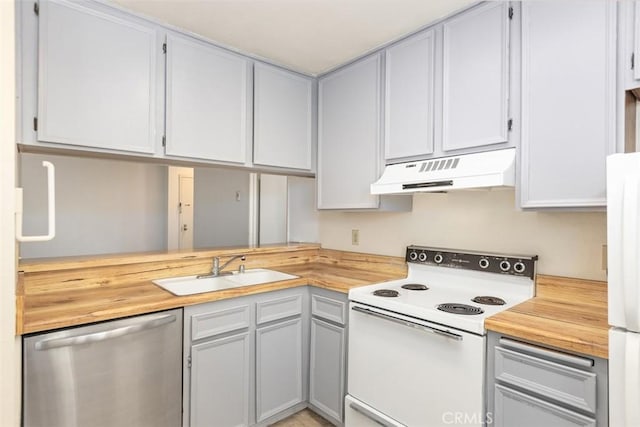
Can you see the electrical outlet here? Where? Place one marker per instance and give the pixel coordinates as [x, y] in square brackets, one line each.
[604, 257]
[355, 237]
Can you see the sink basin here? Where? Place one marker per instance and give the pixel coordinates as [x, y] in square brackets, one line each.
[189, 285]
[259, 275]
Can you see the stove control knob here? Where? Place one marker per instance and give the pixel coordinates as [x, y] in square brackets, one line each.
[519, 267]
[438, 258]
[422, 257]
[413, 255]
[483, 263]
[505, 265]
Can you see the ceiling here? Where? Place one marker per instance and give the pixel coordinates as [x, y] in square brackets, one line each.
[310, 36]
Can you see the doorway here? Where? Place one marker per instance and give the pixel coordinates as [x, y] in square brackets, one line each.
[180, 204]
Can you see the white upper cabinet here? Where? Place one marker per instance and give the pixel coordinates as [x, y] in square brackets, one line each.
[475, 87]
[349, 135]
[97, 76]
[208, 102]
[409, 97]
[568, 102]
[629, 44]
[283, 118]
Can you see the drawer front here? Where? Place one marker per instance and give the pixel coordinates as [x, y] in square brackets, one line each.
[518, 409]
[278, 308]
[561, 383]
[329, 309]
[219, 322]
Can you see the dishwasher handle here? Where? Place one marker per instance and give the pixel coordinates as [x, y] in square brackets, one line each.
[48, 344]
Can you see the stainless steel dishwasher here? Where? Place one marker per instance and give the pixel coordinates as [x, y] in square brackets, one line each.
[126, 372]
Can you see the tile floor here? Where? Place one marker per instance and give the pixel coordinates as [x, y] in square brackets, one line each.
[304, 418]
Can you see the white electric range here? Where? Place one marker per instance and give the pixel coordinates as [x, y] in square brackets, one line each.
[417, 345]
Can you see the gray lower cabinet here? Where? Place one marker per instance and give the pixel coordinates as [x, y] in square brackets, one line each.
[327, 366]
[530, 385]
[279, 354]
[220, 370]
[245, 359]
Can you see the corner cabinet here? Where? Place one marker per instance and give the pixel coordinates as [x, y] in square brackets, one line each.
[349, 144]
[98, 82]
[349, 135]
[283, 118]
[208, 105]
[568, 102]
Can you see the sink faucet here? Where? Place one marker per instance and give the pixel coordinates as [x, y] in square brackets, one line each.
[217, 269]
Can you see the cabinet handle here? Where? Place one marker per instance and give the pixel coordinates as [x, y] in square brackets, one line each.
[51, 198]
[547, 354]
[403, 322]
[48, 344]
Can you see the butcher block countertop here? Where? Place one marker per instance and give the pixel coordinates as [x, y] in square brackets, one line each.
[57, 293]
[568, 314]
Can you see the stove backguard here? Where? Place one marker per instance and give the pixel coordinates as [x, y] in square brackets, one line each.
[514, 265]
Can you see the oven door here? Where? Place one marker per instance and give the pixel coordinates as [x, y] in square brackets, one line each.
[415, 372]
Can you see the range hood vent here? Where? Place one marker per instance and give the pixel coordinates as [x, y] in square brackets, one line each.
[478, 170]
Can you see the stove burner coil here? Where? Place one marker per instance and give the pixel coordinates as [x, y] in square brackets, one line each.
[414, 287]
[456, 308]
[387, 293]
[488, 300]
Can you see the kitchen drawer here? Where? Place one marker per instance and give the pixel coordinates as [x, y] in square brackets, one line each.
[518, 409]
[562, 383]
[220, 321]
[278, 308]
[329, 309]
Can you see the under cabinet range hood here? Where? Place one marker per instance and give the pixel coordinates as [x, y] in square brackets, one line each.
[467, 171]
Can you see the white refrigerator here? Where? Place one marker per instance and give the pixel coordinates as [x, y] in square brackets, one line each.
[623, 240]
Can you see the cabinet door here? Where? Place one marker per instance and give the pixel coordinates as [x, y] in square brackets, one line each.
[282, 118]
[327, 368]
[96, 78]
[278, 367]
[349, 136]
[475, 77]
[208, 97]
[518, 409]
[409, 81]
[220, 390]
[568, 102]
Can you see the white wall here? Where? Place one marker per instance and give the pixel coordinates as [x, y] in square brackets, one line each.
[102, 206]
[273, 209]
[568, 244]
[9, 344]
[302, 215]
[173, 198]
[218, 218]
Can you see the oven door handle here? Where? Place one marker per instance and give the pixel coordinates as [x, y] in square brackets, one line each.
[371, 416]
[425, 328]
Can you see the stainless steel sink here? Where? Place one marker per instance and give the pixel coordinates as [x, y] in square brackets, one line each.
[189, 285]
